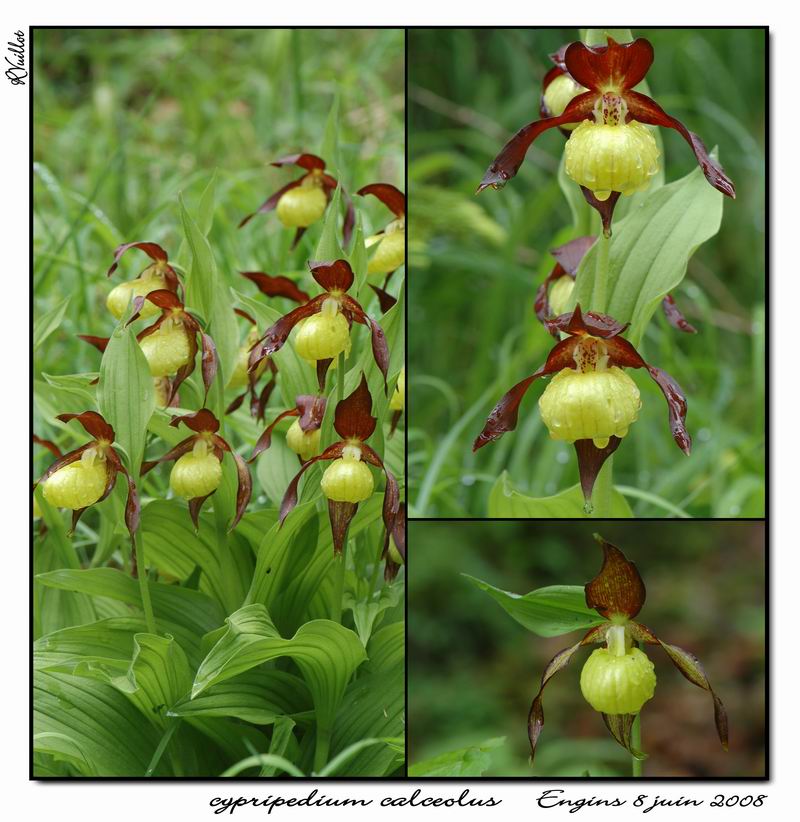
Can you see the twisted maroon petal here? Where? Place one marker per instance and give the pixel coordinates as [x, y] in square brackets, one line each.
[153, 250]
[271, 202]
[278, 286]
[306, 161]
[389, 195]
[93, 423]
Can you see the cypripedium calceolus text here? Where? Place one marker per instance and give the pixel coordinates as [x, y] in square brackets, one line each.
[325, 330]
[197, 472]
[347, 481]
[158, 275]
[618, 679]
[87, 475]
[303, 435]
[554, 294]
[302, 202]
[610, 149]
[390, 243]
[590, 401]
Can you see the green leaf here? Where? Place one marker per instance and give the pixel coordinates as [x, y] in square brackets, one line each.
[326, 653]
[329, 149]
[282, 739]
[47, 324]
[650, 250]
[328, 247]
[91, 725]
[207, 292]
[550, 611]
[125, 393]
[506, 502]
[261, 696]
[366, 612]
[472, 761]
[599, 37]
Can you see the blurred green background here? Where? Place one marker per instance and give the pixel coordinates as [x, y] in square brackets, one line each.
[125, 120]
[473, 671]
[478, 261]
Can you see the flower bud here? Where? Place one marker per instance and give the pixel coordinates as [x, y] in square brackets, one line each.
[303, 443]
[196, 474]
[322, 336]
[559, 295]
[303, 205]
[606, 157]
[79, 484]
[559, 93]
[618, 683]
[348, 479]
[167, 349]
[151, 279]
[394, 555]
[397, 402]
[239, 377]
[391, 251]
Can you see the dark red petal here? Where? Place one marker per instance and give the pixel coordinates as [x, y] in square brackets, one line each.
[277, 334]
[333, 275]
[590, 461]
[132, 507]
[322, 372]
[620, 727]
[306, 161]
[675, 316]
[380, 348]
[385, 299]
[393, 422]
[289, 501]
[195, 505]
[389, 195]
[153, 251]
[93, 423]
[508, 161]
[258, 405]
[559, 661]
[243, 314]
[353, 416]
[200, 421]
[271, 201]
[605, 208]
[164, 298]
[689, 665]
[618, 588]
[541, 303]
[570, 254]
[312, 411]
[265, 440]
[504, 415]
[183, 447]
[676, 402]
[209, 362]
[100, 343]
[391, 497]
[244, 489]
[614, 67]
[49, 445]
[276, 286]
[341, 515]
[72, 456]
[645, 110]
[577, 322]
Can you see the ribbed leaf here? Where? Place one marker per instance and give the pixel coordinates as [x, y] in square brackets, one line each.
[464, 762]
[47, 323]
[650, 250]
[550, 611]
[326, 653]
[260, 695]
[506, 502]
[125, 393]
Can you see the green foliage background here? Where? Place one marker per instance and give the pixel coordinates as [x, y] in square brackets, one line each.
[473, 670]
[126, 122]
[478, 261]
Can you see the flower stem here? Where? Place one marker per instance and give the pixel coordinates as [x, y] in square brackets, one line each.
[340, 563]
[600, 295]
[147, 606]
[636, 744]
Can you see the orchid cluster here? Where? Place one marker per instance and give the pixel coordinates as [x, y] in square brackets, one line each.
[174, 337]
[610, 152]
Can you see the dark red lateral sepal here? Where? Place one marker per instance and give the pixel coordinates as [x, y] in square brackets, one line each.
[389, 195]
[276, 286]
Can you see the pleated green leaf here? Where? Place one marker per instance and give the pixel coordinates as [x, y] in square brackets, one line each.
[472, 761]
[550, 611]
[47, 323]
[125, 393]
[506, 502]
[326, 653]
